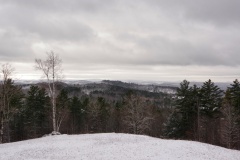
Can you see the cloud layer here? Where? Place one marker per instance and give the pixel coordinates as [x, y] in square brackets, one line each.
[122, 36]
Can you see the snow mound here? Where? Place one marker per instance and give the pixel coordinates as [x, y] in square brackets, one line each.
[112, 146]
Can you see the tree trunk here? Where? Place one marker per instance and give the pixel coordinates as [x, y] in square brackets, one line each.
[54, 106]
[1, 127]
[53, 97]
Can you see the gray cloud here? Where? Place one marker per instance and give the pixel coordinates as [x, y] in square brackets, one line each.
[112, 34]
[219, 12]
[14, 46]
[183, 52]
[46, 25]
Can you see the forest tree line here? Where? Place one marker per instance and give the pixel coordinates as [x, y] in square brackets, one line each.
[30, 112]
[205, 114]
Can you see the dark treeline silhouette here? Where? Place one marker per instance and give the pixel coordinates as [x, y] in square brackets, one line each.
[206, 114]
[93, 108]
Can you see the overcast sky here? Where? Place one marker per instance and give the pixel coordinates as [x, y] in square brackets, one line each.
[151, 40]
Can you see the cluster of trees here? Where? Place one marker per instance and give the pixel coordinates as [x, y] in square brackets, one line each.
[206, 114]
[10, 99]
[31, 114]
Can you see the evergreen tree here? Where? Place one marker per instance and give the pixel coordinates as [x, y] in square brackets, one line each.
[78, 113]
[183, 121]
[235, 95]
[16, 104]
[173, 127]
[35, 112]
[210, 104]
[211, 98]
[183, 106]
[194, 112]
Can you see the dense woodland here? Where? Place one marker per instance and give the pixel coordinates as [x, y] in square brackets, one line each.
[205, 114]
[90, 108]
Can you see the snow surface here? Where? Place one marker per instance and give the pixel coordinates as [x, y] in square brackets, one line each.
[112, 146]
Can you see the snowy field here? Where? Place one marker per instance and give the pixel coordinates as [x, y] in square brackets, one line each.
[112, 146]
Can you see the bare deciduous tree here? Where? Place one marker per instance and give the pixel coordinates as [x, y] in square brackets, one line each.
[230, 127]
[7, 92]
[94, 113]
[52, 69]
[137, 116]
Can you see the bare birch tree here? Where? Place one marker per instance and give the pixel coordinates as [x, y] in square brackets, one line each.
[52, 69]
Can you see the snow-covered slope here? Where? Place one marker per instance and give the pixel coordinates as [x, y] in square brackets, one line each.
[112, 147]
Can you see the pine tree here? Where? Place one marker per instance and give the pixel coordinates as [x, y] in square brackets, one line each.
[210, 104]
[78, 114]
[211, 98]
[183, 121]
[184, 106]
[15, 105]
[235, 95]
[35, 111]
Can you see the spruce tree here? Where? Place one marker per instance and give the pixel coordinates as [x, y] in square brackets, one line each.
[235, 95]
[211, 98]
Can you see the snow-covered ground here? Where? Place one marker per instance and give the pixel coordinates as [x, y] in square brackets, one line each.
[112, 146]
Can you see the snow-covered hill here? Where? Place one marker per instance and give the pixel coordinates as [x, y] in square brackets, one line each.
[112, 147]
